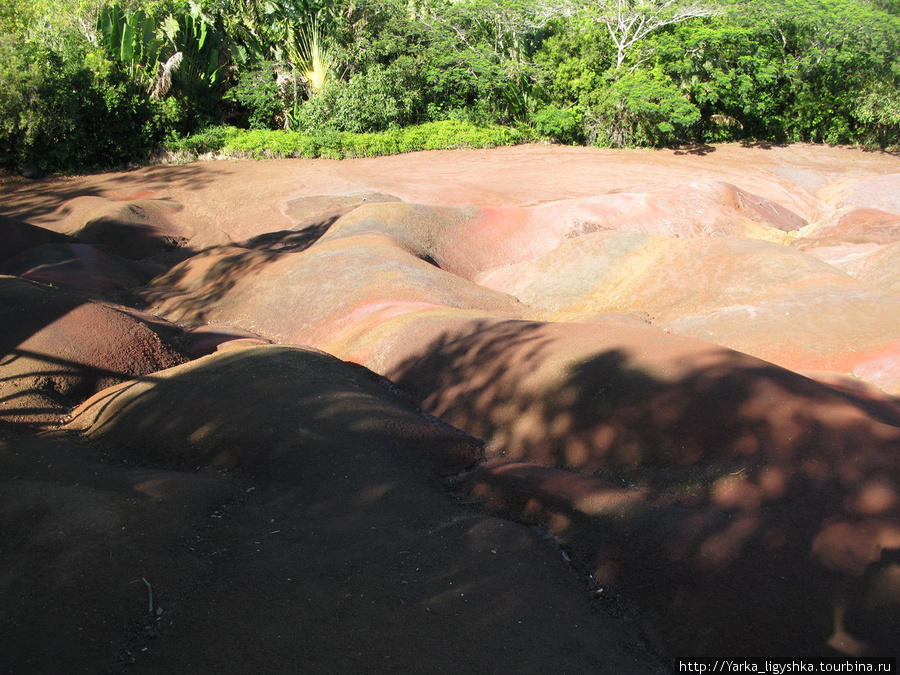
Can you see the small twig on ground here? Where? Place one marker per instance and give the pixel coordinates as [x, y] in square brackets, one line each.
[149, 594]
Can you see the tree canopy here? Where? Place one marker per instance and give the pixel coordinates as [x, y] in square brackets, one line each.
[618, 73]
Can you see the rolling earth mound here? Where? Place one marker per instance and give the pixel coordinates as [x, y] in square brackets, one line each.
[529, 410]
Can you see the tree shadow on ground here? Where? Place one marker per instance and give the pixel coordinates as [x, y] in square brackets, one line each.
[35, 200]
[291, 240]
[766, 507]
[343, 553]
[700, 149]
[57, 348]
[46, 395]
[191, 290]
[761, 145]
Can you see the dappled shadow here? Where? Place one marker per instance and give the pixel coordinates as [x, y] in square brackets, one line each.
[193, 176]
[56, 385]
[542, 392]
[58, 348]
[135, 229]
[741, 580]
[80, 268]
[700, 149]
[78, 534]
[190, 291]
[19, 236]
[29, 394]
[18, 324]
[309, 399]
[894, 151]
[341, 552]
[37, 199]
[766, 503]
[291, 240]
[105, 234]
[32, 200]
[291, 290]
[761, 145]
[130, 240]
[759, 510]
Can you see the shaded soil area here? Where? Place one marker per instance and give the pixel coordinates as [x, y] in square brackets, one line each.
[324, 544]
[523, 410]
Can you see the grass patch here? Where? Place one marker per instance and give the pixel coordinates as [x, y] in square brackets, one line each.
[262, 144]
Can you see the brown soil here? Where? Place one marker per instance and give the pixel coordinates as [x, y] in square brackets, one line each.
[620, 486]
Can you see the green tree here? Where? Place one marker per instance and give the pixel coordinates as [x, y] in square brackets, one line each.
[639, 108]
[62, 115]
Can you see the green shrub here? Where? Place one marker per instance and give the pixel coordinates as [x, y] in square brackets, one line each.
[563, 125]
[448, 135]
[62, 115]
[259, 143]
[639, 108]
[371, 145]
[257, 98]
[376, 100]
[211, 139]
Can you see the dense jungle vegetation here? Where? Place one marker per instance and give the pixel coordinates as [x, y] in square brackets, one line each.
[86, 84]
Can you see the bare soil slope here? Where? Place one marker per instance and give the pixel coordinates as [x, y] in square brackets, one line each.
[227, 391]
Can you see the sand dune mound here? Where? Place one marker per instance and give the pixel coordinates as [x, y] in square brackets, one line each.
[60, 348]
[757, 297]
[471, 241]
[860, 241]
[340, 471]
[79, 267]
[319, 210]
[297, 298]
[326, 543]
[528, 410]
[851, 226]
[311, 400]
[136, 229]
[708, 208]
[19, 236]
[725, 469]
[692, 567]
[879, 268]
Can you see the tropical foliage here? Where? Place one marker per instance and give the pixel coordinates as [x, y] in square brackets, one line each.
[92, 83]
